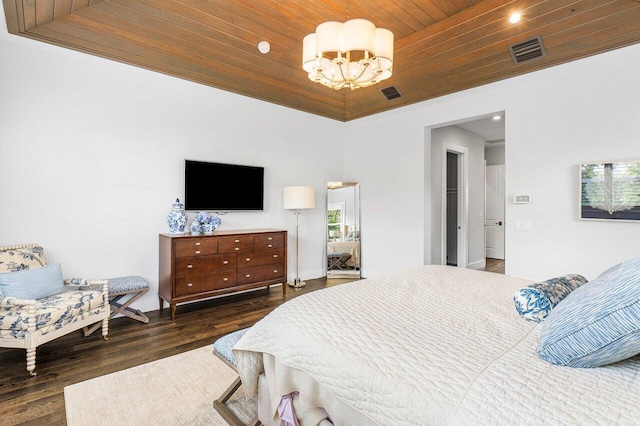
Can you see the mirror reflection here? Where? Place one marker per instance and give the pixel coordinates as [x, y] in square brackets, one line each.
[343, 230]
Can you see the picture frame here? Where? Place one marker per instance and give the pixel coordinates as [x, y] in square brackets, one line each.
[610, 190]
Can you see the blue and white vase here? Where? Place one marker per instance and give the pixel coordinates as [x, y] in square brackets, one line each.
[215, 221]
[196, 227]
[177, 218]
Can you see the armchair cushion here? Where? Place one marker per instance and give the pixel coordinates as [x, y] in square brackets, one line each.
[32, 283]
[18, 258]
[52, 312]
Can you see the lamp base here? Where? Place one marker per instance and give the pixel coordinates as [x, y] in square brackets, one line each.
[297, 283]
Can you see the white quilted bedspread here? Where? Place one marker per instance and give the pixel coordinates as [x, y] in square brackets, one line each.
[435, 345]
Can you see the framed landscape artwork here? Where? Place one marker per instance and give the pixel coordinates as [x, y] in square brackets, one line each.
[610, 191]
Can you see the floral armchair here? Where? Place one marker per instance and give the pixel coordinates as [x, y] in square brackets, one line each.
[37, 305]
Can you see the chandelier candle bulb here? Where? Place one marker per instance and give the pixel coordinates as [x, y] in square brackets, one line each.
[351, 54]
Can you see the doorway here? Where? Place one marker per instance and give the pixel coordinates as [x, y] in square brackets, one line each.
[457, 234]
[455, 214]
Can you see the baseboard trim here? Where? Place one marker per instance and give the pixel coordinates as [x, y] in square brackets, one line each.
[480, 264]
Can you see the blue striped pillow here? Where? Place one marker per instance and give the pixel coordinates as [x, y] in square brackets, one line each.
[598, 323]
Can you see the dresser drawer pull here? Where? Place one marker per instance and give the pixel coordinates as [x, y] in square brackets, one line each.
[237, 249]
[225, 279]
[189, 266]
[237, 241]
[190, 285]
[275, 255]
[248, 276]
[198, 244]
[248, 259]
[269, 245]
[269, 238]
[275, 271]
[197, 251]
[225, 262]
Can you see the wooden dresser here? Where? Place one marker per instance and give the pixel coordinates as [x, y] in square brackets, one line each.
[194, 267]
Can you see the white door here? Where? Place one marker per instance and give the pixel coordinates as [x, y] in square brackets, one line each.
[494, 219]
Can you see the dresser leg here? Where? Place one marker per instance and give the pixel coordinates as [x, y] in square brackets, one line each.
[284, 289]
[161, 303]
[173, 312]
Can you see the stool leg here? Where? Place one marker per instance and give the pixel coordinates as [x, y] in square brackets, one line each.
[125, 309]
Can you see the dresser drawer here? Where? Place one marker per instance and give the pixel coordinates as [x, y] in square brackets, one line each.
[189, 266]
[260, 273]
[268, 241]
[262, 257]
[203, 283]
[196, 247]
[235, 244]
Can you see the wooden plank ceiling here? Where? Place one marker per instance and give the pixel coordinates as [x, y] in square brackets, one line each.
[441, 46]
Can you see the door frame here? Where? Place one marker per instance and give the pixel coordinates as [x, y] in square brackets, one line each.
[463, 203]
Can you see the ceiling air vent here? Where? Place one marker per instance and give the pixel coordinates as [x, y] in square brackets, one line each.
[391, 92]
[527, 50]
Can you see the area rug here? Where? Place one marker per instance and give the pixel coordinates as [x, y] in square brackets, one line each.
[178, 390]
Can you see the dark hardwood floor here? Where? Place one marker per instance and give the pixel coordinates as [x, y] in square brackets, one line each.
[39, 400]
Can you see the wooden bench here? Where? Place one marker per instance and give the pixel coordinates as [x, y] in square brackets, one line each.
[223, 349]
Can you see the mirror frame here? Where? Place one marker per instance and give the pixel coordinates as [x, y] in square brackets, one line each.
[343, 249]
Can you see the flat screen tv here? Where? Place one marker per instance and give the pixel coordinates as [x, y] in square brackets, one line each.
[222, 187]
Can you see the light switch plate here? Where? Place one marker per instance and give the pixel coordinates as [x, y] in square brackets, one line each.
[521, 198]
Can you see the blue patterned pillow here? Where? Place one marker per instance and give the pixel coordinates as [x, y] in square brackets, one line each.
[32, 283]
[534, 302]
[598, 323]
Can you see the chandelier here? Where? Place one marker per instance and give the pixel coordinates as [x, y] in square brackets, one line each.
[351, 54]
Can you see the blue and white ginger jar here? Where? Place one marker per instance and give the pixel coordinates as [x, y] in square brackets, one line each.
[215, 221]
[177, 218]
[196, 227]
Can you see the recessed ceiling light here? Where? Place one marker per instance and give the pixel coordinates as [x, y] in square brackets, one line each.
[514, 18]
[264, 47]
[496, 117]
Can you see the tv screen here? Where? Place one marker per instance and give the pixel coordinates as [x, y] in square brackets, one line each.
[219, 187]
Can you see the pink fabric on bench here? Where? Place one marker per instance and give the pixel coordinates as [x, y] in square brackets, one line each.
[286, 412]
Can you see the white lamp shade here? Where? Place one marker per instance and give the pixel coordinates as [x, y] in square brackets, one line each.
[308, 51]
[298, 198]
[359, 34]
[329, 37]
[384, 44]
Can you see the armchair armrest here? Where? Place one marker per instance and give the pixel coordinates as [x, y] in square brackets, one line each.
[82, 282]
[94, 285]
[7, 302]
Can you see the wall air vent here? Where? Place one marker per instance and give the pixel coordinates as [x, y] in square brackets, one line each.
[527, 50]
[391, 92]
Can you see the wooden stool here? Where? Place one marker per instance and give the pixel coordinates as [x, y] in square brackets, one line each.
[119, 288]
[222, 348]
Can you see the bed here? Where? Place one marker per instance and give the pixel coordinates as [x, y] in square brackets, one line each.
[350, 248]
[433, 345]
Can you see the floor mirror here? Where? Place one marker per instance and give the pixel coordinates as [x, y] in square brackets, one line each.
[343, 259]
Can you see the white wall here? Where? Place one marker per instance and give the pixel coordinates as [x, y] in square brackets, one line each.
[586, 110]
[92, 155]
[494, 155]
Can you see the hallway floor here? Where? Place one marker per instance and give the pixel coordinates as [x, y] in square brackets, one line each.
[494, 265]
